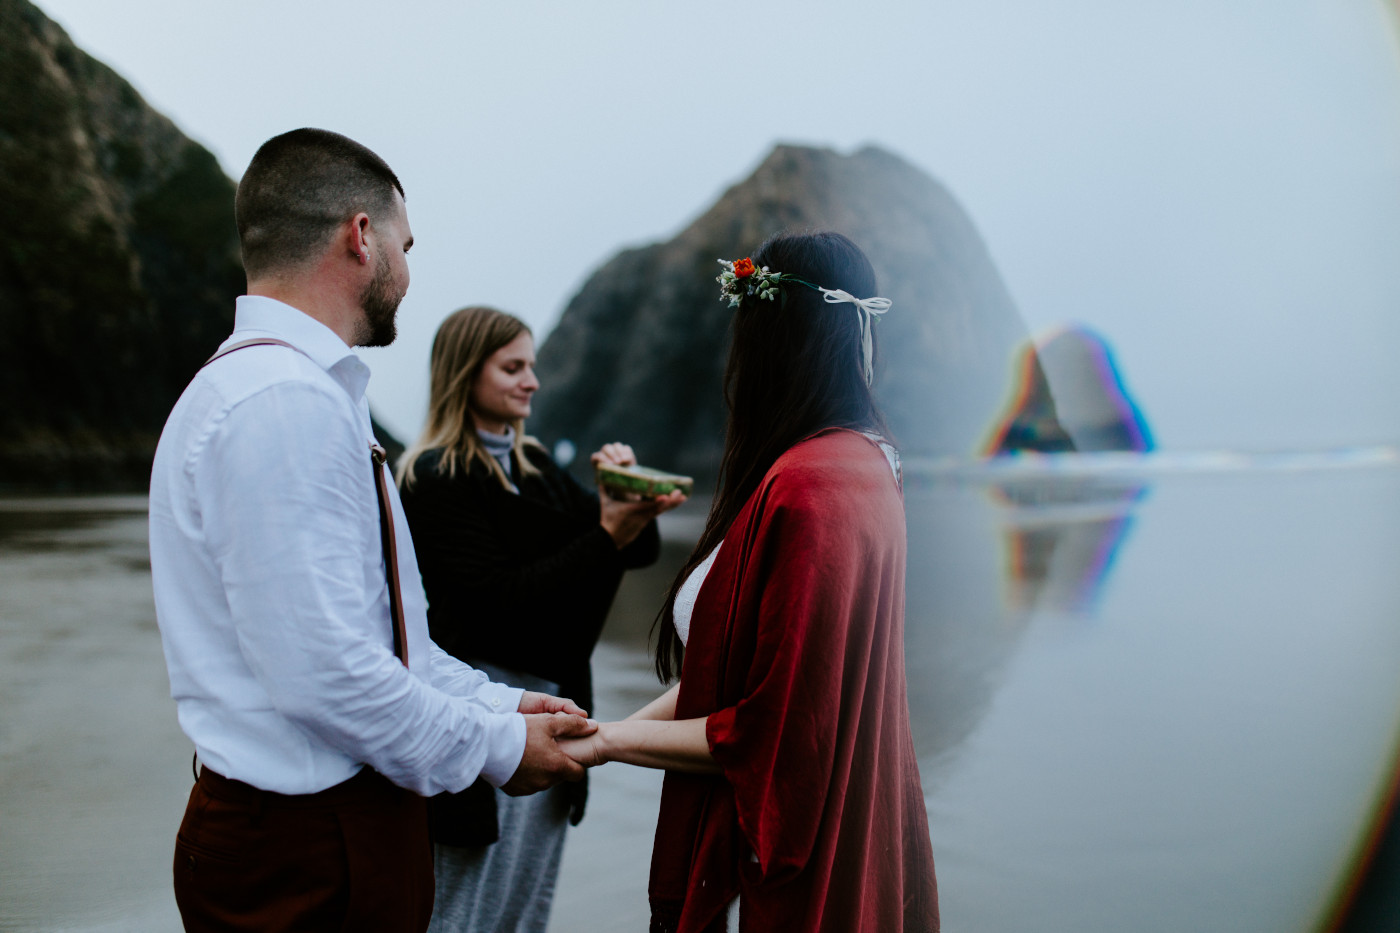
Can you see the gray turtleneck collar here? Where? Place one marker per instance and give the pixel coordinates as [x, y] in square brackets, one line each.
[499, 446]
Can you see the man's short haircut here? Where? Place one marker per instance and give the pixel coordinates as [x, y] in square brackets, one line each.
[298, 189]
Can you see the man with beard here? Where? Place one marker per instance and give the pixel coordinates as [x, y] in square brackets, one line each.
[287, 591]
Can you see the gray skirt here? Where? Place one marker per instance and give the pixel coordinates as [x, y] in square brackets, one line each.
[506, 887]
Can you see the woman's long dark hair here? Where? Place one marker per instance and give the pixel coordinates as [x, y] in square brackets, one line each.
[795, 367]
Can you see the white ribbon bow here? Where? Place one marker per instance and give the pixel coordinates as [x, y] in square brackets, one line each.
[868, 308]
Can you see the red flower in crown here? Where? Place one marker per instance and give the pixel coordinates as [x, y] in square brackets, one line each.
[743, 268]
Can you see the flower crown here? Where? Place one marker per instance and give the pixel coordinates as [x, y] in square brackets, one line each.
[741, 277]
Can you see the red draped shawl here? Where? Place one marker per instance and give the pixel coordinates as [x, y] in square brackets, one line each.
[796, 655]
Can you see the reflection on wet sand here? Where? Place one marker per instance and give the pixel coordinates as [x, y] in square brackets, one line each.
[984, 558]
[1060, 538]
[1062, 531]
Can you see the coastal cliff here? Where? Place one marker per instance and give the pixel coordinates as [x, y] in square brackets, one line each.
[1069, 395]
[639, 352]
[118, 269]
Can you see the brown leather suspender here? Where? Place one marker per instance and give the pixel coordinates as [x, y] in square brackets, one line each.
[251, 342]
[377, 460]
[391, 553]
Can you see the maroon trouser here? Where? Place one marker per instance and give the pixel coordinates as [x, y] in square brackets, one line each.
[352, 857]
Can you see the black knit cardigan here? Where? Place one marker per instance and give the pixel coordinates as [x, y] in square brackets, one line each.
[522, 581]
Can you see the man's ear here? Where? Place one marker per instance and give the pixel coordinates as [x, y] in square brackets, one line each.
[359, 237]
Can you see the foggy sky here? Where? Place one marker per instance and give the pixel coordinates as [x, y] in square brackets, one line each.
[1213, 184]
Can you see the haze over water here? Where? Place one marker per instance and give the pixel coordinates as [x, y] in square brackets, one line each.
[1212, 184]
[1159, 700]
[1170, 710]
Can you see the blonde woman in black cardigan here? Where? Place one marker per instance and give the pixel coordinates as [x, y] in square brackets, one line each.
[520, 564]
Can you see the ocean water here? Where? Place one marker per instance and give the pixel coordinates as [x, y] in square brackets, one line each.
[1149, 693]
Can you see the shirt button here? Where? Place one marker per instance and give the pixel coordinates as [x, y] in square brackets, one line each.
[496, 701]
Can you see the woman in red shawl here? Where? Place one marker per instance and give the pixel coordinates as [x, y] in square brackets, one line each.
[791, 788]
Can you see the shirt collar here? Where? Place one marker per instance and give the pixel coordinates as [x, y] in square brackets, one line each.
[321, 344]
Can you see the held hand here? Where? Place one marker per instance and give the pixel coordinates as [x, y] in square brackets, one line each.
[625, 519]
[666, 744]
[587, 751]
[533, 702]
[543, 765]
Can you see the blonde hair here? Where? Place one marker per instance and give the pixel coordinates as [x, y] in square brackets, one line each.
[464, 342]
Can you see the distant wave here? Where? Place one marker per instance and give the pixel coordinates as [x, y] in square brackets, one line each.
[1132, 465]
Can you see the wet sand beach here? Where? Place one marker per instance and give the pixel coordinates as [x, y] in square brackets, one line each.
[1151, 696]
[94, 770]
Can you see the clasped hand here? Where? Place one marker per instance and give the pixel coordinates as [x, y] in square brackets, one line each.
[586, 750]
[548, 719]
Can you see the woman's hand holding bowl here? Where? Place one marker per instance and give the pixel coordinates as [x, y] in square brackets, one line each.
[624, 519]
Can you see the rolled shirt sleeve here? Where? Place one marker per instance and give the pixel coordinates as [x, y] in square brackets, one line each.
[456, 678]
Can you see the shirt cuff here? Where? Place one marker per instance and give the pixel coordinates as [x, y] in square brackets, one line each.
[498, 698]
[505, 747]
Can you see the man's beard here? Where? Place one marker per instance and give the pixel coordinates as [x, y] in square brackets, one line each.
[380, 304]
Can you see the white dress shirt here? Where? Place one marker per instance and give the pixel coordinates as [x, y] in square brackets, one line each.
[270, 588]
